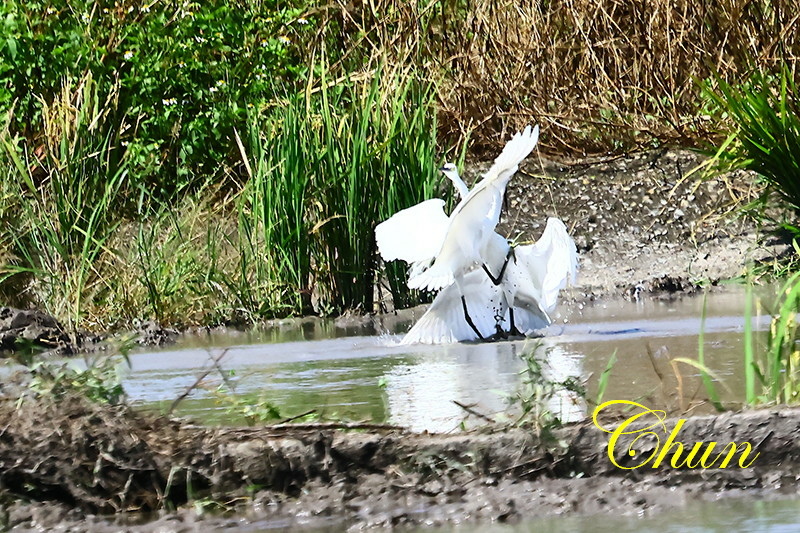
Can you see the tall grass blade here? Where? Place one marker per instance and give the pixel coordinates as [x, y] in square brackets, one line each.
[700, 364]
[749, 356]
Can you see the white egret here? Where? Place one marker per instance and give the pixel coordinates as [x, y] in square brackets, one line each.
[450, 170]
[473, 220]
[532, 283]
[524, 299]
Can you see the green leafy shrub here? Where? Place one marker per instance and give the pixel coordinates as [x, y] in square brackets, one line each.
[186, 72]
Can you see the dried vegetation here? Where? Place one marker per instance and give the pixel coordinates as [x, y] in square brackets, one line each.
[602, 75]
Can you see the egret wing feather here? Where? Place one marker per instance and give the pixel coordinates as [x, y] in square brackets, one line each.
[557, 253]
[413, 234]
[475, 218]
[444, 321]
[515, 150]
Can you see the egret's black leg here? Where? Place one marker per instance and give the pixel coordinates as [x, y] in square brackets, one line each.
[513, 330]
[499, 332]
[499, 278]
[469, 319]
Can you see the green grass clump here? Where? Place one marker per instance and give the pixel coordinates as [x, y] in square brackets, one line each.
[62, 204]
[772, 374]
[324, 170]
[89, 240]
[765, 115]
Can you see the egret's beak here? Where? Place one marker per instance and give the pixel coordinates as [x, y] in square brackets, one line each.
[443, 169]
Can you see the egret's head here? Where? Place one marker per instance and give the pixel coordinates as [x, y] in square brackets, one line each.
[450, 170]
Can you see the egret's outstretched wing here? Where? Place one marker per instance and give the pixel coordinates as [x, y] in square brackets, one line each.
[475, 217]
[515, 150]
[554, 258]
[413, 234]
[444, 321]
[461, 247]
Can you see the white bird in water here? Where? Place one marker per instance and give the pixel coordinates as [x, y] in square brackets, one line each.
[415, 234]
[473, 220]
[522, 302]
[525, 290]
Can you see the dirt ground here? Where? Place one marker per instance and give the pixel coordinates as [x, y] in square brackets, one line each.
[640, 223]
[65, 464]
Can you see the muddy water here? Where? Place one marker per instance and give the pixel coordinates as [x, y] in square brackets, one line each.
[313, 367]
[729, 516]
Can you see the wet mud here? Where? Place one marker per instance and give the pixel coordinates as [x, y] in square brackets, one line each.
[644, 224]
[68, 464]
[22, 329]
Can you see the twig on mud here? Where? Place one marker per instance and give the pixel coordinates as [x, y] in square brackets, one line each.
[763, 441]
[287, 420]
[473, 412]
[215, 365]
[334, 425]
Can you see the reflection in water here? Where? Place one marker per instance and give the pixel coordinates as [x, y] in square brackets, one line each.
[342, 376]
[725, 516]
[560, 369]
[421, 393]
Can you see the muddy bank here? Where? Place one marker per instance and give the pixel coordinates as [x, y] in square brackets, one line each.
[640, 224]
[20, 329]
[29, 331]
[60, 461]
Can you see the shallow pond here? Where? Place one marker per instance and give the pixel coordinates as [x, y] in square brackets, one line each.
[310, 366]
[725, 516]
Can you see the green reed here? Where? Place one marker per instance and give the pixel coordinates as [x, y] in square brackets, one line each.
[772, 367]
[67, 199]
[780, 372]
[274, 215]
[765, 115]
[325, 169]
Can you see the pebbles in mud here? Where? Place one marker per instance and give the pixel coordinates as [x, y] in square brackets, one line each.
[21, 328]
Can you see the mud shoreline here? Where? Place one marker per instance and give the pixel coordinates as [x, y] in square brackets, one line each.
[60, 470]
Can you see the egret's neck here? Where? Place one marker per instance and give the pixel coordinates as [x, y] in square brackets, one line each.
[458, 183]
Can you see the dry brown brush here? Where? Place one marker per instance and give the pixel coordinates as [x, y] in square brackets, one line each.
[603, 75]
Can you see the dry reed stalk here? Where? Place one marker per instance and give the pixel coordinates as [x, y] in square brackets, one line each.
[603, 75]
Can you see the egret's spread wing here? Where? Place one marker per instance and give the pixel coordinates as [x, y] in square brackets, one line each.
[506, 164]
[413, 234]
[556, 252]
[474, 218]
[444, 321]
[471, 224]
[515, 150]
[461, 245]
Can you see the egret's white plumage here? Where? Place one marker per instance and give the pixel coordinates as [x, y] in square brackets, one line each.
[536, 274]
[533, 278]
[474, 218]
[444, 322]
[413, 234]
[446, 253]
[450, 170]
